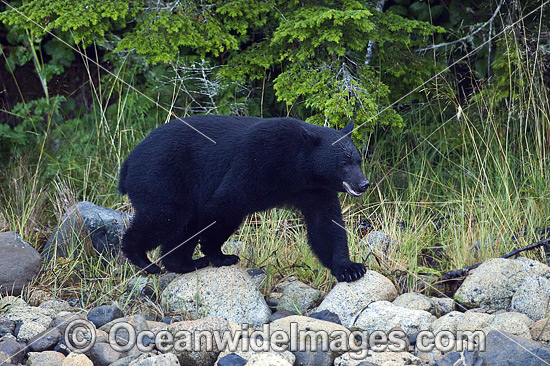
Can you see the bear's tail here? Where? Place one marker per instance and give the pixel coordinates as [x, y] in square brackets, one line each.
[122, 178]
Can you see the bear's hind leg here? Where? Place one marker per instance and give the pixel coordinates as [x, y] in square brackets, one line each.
[179, 242]
[212, 241]
[177, 256]
[136, 242]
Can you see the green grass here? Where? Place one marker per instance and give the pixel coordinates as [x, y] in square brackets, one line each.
[468, 185]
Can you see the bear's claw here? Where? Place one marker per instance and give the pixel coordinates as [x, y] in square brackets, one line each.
[349, 272]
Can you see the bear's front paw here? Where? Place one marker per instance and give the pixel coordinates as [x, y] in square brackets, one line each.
[349, 272]
[225, 260]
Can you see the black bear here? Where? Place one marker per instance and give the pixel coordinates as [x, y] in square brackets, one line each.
[195, 179]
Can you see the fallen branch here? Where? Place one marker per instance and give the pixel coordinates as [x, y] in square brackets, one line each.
[458, 273]
[466, 36]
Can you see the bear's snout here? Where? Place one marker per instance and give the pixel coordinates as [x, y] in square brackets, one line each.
[364, 185]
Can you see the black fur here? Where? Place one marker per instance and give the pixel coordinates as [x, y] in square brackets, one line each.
[180, 182]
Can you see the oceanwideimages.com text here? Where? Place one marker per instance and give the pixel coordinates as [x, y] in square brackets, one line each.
[80, 337]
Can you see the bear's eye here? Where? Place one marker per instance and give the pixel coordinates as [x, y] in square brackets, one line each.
[344, 163]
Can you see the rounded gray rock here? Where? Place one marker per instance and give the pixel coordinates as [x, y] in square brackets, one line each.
[532, 297]
[201, 354]
[275, 359]
[512, 323]
[8, 302]
[104, 226]
[378, 358]
[443, 306]
[167, 359]
[101, 315]
[57, 305]
[384, 316]
[297, 297]
[508, 349]
[63, 319]
[19, 263]
[310, 351]
[45, 340]
[457, 321]
[414, 301]
[33, 320]
[46, 358]
[102, 354]
[347, 299]
[231, 359]
[326, 315]
[226, 292]
[128, 360]
[493, 284]
[377, 241]
[11, 351]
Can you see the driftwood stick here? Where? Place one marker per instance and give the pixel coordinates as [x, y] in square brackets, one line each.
[489, 22]
[458, 273]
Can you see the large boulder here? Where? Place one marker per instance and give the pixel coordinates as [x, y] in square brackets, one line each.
[32, 320]
[493, 284]
[510, 322]
[383, 315]
[347, 299]
[226, 292]
[19, 263]
[532, 297]
[104, 227]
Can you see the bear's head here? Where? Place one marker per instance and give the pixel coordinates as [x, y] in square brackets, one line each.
[335, 161]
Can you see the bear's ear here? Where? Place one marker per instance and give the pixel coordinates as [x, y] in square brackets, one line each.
[311, 137]
[348, 129]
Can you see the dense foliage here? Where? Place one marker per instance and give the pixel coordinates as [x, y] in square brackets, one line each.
[67, 63]
[307, 57]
